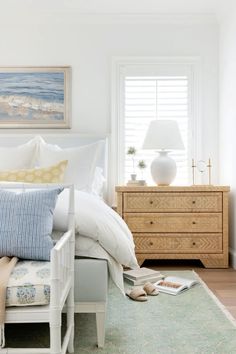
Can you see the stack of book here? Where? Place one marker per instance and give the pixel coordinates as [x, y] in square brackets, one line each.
[142, 275]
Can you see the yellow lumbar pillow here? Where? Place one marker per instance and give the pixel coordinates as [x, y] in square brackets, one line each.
[52, 174]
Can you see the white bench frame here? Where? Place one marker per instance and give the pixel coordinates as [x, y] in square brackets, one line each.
[61, 289]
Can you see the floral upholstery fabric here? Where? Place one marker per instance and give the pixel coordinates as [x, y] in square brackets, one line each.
[29, 284]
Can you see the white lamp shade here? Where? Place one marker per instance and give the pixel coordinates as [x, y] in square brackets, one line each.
[163, 135]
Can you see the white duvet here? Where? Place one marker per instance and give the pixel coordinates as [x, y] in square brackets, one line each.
[102, 232]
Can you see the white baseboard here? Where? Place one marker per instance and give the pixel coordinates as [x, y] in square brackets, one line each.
[232, 258]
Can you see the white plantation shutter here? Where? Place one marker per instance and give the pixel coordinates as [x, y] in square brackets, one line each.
[155, 97]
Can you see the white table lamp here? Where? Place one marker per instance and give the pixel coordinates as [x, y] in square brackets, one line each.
[164, 136]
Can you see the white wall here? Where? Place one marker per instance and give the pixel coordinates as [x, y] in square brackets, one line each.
[88, 48]
[227, 127]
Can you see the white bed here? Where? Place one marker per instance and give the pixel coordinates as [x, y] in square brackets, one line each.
[100, 232]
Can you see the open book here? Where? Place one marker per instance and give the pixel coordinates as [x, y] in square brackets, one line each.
[174, 285]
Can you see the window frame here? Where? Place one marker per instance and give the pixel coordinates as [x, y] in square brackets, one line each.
[119, 67]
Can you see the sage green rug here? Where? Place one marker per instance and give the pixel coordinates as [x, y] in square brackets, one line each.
[190, 323]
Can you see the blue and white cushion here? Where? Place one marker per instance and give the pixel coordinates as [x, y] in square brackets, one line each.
[29, 284]
[26, 221]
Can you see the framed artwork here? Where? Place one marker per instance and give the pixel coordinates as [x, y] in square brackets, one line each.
[35, 97]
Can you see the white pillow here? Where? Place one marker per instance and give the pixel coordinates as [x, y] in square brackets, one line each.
[82, 162]
[98, 183]
[18, 157]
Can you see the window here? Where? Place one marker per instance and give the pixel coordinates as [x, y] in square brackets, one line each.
[149, 98]
[144, 89]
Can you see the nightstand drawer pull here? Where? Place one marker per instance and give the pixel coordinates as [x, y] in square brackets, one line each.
[194, 243]
[151, 202]
[151, 243]
[151, 223]
[194, 202]
[194, 222]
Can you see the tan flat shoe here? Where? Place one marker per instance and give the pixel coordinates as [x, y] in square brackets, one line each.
[137, 294]
[150, 289]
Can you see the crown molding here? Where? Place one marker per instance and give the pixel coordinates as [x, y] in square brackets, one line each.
[76, 17]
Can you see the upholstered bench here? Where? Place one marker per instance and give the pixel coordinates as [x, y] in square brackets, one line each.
[91, 286]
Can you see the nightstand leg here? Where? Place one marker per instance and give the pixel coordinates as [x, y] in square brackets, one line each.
[213, 262]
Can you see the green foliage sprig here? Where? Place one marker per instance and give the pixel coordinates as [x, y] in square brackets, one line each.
[131, 151]
[142, 164]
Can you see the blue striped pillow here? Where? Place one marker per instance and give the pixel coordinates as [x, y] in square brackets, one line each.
[26, 221]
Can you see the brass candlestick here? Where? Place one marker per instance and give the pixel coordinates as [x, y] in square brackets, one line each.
[209, 170]
[193, 170]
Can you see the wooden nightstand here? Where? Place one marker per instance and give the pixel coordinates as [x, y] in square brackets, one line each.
[177, 222]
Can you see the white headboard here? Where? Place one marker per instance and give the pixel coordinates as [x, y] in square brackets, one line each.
[64, 141]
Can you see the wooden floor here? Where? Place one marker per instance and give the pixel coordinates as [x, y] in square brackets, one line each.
[222, 282]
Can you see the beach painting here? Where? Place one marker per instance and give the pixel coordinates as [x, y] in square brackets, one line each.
[34, 97]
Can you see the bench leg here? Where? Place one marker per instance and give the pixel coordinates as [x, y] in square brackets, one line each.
[70, 319]
[100, 320]
[55, 339]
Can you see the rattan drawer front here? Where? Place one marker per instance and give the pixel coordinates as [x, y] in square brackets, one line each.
[174, 243]
[174, 222]
[173, 202]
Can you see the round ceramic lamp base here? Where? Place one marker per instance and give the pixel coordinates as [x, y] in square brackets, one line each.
[163, 169]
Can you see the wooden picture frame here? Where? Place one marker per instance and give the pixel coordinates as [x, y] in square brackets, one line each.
[35, 97]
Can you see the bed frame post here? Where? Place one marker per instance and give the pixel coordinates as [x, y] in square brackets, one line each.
[70, 299]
